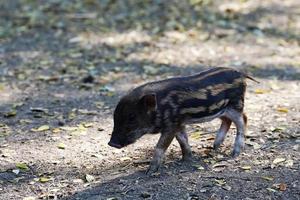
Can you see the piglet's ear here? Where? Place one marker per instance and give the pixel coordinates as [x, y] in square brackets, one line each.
[149, 102]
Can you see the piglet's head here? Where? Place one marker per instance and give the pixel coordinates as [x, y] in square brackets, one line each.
[132, 119]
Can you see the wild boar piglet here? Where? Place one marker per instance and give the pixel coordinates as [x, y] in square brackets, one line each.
[166, 106]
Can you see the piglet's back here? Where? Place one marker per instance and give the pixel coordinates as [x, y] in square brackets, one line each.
[200, 95]
[203, 80]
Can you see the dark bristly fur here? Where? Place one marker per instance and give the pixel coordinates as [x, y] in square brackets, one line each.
[166, 106]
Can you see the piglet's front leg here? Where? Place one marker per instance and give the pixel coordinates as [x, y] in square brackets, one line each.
[160, 149]
[182, 139]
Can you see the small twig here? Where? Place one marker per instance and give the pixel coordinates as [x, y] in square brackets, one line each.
[232, 177]
[82, 16]
[141, 162]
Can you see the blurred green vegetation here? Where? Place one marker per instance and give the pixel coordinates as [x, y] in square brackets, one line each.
[102, 15]
[56, 25]
[153, 16]
[110, 15]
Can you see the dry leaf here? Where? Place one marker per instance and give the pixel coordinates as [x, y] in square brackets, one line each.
[226, 187]
[283, 110]
[25, 121]
[211, 137]
[268, 178]
[219, 165]
[278, 129]
[195, 2]
[22, 166]
[44, 179]
[87, 112]
[200, 167]
[2, 87]
[150, 70]
[254, 144]
[11, 113]
[16, 171]
[72, 115]
[56, 130]
[69, 128]
[61, 146]
[89, 178]
[41, 128]
[220, 182]
[145, 195]
[47, 78]
[246, 167]
[261, 91]
[77, 180]
[125, 159]
[79, 132]
[274, 86]
[112, 198]
[271, 190]
[76, 39]
[99, 104]
[43, 110]
[88, 125]
[81, 127]
[282, 187]
[16, 105]
[289, 163]
[278, 160]
[196, 135]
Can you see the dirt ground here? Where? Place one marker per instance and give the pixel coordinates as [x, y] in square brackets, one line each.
[63, 67]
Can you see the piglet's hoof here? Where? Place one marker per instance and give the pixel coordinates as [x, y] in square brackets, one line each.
[216, 146]
[153, 168]
[235, 154]
[187, 159]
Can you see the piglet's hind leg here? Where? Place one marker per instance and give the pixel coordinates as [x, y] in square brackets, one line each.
[239, 119]
[221, 134]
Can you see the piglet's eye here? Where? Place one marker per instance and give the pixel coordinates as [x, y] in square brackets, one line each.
[131, 117]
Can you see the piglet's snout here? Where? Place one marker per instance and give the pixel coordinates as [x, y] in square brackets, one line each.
[112, 144]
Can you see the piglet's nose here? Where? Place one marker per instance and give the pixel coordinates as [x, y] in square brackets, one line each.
[115, 145]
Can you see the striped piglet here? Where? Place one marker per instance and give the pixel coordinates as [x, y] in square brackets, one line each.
[166, 106]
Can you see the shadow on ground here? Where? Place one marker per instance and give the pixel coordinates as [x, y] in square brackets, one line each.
[180, 182]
